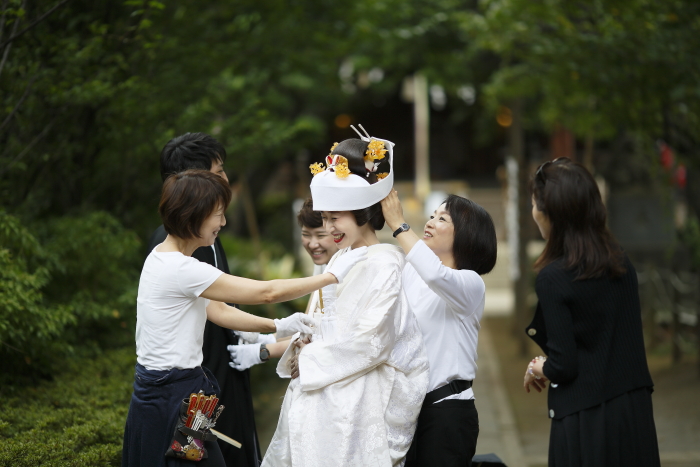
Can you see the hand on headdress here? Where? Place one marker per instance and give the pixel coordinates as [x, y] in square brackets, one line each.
[392, 210]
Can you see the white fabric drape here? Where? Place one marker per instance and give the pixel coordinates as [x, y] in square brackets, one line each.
[357, 400]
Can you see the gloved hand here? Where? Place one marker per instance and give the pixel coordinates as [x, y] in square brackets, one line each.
[298, 322]
[243, 356]
[255, 338]
[245, 337]
[344, 263]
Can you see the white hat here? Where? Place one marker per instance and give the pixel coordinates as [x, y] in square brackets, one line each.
[330, 192]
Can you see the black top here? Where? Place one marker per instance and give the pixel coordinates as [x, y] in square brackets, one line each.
[591, 332]
[237, 420]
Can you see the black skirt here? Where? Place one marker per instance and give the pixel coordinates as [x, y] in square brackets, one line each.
[619, 432]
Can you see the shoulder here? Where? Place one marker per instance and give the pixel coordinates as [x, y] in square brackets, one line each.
[553, 269]
[471, 279]
[552, 273]
[386, 255]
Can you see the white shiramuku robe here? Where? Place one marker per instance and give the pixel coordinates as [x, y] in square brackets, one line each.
[359, 392]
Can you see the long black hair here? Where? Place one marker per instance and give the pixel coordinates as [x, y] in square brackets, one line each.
[568, 195]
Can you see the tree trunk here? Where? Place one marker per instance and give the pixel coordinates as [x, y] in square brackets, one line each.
[516, 140]
[421, 119]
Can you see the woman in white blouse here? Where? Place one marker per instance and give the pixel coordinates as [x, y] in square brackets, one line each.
[445, 291]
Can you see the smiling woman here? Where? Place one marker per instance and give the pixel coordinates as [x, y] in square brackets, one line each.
[314, 238]
[357, 388]
[446, 293]
[177, 294]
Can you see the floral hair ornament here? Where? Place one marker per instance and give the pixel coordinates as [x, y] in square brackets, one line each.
[374, 154]
[336, 163]
[330, 192]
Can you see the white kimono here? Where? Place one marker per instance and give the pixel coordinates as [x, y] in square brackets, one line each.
[357, 399]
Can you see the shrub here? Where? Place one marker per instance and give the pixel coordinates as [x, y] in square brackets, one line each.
[69, 288]
[77, 420]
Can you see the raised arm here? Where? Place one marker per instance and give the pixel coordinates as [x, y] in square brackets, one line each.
[393, 216]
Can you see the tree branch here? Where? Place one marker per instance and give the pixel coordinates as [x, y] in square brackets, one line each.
[28, 148]
[36, 21]
[24, 96]
[2, 18]
[7, 49]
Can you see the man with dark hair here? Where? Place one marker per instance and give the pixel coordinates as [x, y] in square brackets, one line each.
[201, 151]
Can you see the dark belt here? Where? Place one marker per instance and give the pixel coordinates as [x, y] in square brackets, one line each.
[453, 387]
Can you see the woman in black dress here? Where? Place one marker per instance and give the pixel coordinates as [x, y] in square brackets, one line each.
[588, 324]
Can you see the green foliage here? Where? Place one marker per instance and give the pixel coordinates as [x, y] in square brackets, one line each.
[76, 288]
[25, 317]
[690, 237]
[75, 421]
[596, 67]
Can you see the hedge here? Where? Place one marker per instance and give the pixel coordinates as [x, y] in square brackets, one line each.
[76, 420]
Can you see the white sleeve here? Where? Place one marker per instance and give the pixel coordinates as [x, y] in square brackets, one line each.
[366, 343]
[194, 277]
[461, 288]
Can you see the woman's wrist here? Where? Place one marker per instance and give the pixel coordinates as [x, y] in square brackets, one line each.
[393, 225]
[331, 279]
[539, 361]
[271, 324]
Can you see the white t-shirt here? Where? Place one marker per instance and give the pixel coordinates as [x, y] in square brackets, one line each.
[448, 304]
[170, 314]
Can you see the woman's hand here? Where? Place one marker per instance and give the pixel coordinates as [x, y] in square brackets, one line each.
[534, 376]
[392, 210]
[294, 362]
[298, 322]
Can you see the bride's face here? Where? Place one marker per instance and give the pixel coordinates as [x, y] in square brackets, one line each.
[343, 227]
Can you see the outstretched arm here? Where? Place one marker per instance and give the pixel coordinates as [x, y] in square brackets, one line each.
[233, 318]
[227, 288]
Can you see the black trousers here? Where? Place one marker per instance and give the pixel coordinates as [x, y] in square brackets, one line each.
[446, 435]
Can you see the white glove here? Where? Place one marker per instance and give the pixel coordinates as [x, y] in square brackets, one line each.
[266, 339]
[243, 356]
[245, 337]
[344, 263]
[298, 322]
[255, 338]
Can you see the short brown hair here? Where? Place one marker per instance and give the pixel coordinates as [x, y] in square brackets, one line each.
[309, 218]
[188, 198]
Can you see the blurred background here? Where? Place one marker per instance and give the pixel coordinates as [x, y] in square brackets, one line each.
[474, 93]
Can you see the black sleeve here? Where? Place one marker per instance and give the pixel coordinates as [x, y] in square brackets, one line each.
[562, 360]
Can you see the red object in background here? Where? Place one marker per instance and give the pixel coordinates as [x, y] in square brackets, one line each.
[681, 176]
[666, 156]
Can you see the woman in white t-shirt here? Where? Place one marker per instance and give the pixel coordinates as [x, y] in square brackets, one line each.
[177, 294]
[446, 293]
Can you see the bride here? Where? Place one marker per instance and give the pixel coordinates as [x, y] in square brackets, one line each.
[358, 386]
